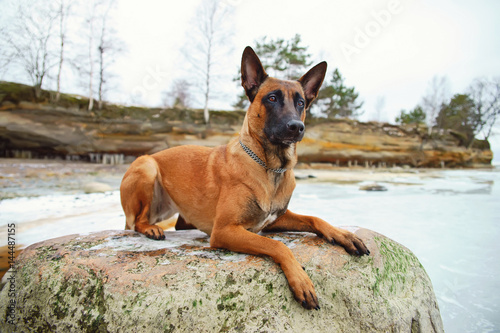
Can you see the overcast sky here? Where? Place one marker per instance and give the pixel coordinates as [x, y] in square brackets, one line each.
[387, 49]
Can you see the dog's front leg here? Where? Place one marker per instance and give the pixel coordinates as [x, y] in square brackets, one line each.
[295, 222]
[238, 239]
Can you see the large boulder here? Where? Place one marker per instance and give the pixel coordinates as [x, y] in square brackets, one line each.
[121, 281]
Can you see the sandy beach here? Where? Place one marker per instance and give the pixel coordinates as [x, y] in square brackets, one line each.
[31, 178]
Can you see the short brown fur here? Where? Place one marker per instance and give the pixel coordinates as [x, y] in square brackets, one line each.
[225, 193]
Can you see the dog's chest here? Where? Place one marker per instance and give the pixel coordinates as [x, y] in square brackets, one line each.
[262, 211]
[258, 215]
[267, 220]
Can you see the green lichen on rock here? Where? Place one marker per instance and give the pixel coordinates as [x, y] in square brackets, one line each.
[75, 303]
[397, 262]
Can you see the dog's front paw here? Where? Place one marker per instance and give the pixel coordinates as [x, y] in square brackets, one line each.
[303, 290]
[301, 285]
[349, 241]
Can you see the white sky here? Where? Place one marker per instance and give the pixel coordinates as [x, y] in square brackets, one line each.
[388, 49]
[416, 41]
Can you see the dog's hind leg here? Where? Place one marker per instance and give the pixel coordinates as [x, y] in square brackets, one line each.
[138, 196]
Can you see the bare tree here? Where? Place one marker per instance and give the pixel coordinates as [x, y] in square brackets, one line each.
[109, 45]
[207, 45]
[437, 95]
[90, 21]
[5, 56]
[29, 41]
[102, 44]
[63, 13]
[379, 107]
[486, 97]
[179, 94]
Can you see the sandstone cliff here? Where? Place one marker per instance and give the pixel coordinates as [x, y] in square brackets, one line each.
[349, 142]
[44, 129]
[48, 131]
[120, 281]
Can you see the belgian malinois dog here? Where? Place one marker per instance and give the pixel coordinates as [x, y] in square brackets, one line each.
[233, 192]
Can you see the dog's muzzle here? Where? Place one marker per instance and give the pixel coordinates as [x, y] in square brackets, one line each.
[296, 129]
[287, 132]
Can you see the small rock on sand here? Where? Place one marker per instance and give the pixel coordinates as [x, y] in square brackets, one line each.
[95, 187]
[373, 187]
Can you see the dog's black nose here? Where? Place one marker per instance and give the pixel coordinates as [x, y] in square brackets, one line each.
[295, 127]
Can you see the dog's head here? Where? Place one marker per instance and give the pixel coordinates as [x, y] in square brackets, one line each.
[278, 107]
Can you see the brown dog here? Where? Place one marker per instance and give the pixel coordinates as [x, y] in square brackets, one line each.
[232, 192]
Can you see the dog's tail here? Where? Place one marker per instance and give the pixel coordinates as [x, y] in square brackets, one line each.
[162, 205]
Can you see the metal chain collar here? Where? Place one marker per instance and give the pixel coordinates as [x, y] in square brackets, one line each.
[258, 160]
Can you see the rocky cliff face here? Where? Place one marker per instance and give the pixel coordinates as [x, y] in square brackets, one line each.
[349, 142]
[121, 281]
[44, 130]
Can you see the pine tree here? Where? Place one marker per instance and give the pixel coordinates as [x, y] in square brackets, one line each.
[459, 115]
[336, 100]
[415, 116]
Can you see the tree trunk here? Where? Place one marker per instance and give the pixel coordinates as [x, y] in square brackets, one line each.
[206, 114]
[91, 60]
[101, 75]
[61, 53]
[37, 88]
[471, 143]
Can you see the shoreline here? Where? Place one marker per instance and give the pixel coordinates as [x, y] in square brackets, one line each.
[38, 177]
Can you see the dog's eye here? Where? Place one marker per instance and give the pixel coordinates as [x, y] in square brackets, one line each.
[272, 98]
[300, 102]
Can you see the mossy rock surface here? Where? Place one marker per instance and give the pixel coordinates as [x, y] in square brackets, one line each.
[121, 281]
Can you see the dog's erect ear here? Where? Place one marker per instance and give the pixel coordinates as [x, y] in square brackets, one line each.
[311, 82]
[252, 73]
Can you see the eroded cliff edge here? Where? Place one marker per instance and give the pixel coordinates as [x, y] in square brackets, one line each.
[45, 130]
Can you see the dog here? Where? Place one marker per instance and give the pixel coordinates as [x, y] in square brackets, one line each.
[233, 192]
